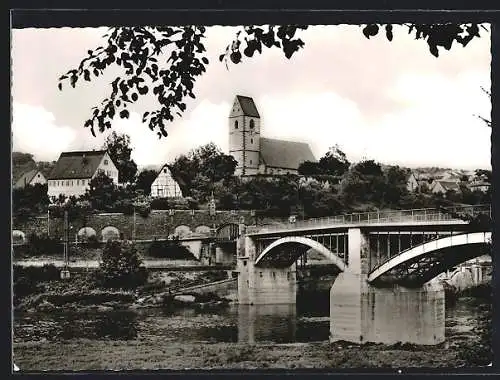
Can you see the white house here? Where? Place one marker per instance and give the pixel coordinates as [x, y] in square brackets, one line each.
[165, 186]
[74, 170]
[31, 177]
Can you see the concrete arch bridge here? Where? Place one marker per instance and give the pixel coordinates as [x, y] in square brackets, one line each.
[386, 262]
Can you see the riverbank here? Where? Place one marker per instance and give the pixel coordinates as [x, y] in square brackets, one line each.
[41, 290]
[78, 355]
[194, 340]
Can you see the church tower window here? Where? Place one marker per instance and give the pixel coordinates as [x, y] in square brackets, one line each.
[236, 124]
[252, 124]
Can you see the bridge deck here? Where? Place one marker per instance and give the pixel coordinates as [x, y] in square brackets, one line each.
[416, 217]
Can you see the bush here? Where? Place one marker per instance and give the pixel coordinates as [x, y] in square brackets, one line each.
[121, 266]
[169, 249]
[43, 245]
[160, 204]
[27, 280]
[170, 203]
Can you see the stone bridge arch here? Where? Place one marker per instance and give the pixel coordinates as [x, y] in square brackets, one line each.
[461, 278]
[18, 237]
[182, 231]
[203, 230]
[285, 251]
[110, 233]
[227, 232]
[420, 264]
[85, 233]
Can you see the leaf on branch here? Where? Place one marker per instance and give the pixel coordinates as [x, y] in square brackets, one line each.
[434, 50]
[388, 32]
[370, 30]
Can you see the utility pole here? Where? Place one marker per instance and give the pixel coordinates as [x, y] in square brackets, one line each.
[48, 221]
[65, 272]
[133, 229]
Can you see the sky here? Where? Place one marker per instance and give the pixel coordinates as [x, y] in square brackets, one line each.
[393, 102]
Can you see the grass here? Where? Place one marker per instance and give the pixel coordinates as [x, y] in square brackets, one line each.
[86, 354]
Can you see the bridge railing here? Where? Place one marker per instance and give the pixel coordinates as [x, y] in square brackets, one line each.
[392, 216]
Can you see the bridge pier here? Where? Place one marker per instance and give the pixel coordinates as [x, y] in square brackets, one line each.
[260, 286]
[360, 312]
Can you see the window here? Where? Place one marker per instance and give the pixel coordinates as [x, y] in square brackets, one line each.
[250, 162]
[105, 162]
[71, 183]
[236, 124]
[67, 183]
[164, 170]
[252, 124]
[251, 141]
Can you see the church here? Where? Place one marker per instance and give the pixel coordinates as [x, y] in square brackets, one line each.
[260, 155]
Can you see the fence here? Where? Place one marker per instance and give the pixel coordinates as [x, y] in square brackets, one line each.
[374, 217]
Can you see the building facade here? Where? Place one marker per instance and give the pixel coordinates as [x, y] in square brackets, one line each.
[165, 186]
[255, 154]
[73, 172]
[31, 177]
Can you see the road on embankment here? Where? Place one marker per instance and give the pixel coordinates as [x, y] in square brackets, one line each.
[150, 264]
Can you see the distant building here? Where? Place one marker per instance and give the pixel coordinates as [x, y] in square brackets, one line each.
[31, 177]
[479, 186]
[258, 155]
[165, 186]
[417, 182]
[74, 170]
[442, 187]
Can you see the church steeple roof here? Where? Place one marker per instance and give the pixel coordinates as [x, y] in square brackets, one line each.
[248, 106]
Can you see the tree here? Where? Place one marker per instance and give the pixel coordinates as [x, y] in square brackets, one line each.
[201, 169]
[309, 168]
[101, 192]
[138, 49]
[145, 179]
[368, 168]
[334, 162]
[31, 199]
[121, 266]
[118, 147]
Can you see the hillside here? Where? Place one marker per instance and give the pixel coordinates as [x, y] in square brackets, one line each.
[23, 162]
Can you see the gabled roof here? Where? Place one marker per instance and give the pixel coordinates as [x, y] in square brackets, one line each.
[248, 106]
[449, 185]
[26, 178]
[77, 165]
[284, 154]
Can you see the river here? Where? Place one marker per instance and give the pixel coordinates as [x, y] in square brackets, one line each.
[231, 324]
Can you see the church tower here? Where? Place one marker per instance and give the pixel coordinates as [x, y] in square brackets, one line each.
[244, 135]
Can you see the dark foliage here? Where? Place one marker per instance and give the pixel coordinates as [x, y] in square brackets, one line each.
[169, 249]
[121, 266]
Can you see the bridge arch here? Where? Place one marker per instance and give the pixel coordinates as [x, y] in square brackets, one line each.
[110, 233]
[18, 237]
[202, 229]
[408, 260]
[298, 245]
[227, 232]
[182, 231]
[85, 233]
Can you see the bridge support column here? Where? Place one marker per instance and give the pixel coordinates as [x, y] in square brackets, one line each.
[260, 286]
[477, 275]
[360, 312]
